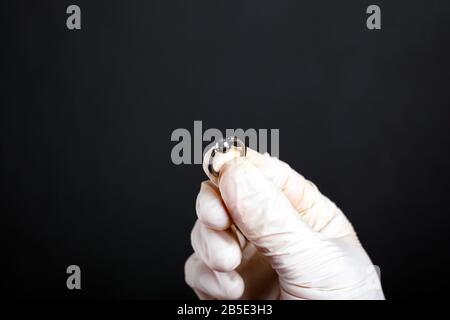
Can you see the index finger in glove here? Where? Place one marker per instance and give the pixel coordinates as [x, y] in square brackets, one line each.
[320, 213]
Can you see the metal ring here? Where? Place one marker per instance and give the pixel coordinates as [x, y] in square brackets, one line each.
[223, 146]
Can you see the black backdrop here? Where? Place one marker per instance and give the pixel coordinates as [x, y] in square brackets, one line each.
[86, 119]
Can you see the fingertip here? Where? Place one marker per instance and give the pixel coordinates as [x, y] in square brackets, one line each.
[213, 284]
[235, 289]
[210, 208]
[223, 285]
[219, 250]
[228, 259]
[189, 267]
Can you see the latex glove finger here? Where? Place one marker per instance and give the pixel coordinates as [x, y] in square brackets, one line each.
[305, 260]
[317, 210]
[264, 214]
[210, 208]
[219, 250]
[219, 285]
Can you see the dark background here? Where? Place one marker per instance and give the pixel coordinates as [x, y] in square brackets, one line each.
[86, 120]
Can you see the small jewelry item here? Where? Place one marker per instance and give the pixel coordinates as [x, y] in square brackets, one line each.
[224, 146]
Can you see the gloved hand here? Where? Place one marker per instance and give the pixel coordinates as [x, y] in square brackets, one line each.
[297, 244]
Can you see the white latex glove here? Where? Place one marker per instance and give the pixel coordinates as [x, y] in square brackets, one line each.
[300, 245]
